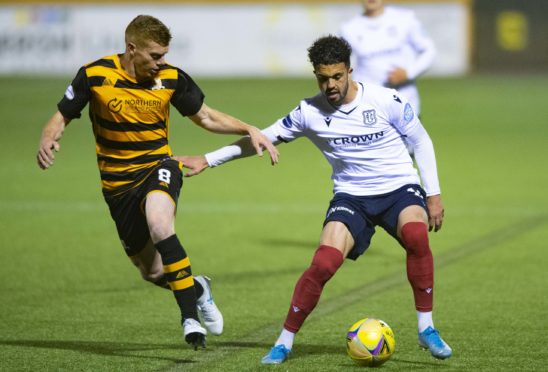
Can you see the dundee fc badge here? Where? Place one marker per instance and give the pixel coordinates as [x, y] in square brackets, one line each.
[369, 117]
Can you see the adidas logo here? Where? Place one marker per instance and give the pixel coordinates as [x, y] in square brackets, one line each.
[107, 82]
[181, 274]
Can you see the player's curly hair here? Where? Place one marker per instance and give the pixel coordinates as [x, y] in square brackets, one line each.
[147, 28]
[329, 50]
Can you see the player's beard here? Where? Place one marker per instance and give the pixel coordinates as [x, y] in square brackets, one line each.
[341, 93]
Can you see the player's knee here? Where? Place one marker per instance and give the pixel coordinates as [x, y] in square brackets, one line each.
[160, 231]
[414, 236]
[326, 262]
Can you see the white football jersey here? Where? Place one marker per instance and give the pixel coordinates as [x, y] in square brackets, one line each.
[393, 39]
[363, 140]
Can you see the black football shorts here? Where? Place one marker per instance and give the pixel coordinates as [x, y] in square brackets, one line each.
[128, 209]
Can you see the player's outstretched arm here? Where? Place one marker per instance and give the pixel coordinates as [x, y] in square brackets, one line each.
[49, 142]
[242, 148]
[219, 122]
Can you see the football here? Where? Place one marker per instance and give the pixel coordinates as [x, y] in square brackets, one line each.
[370, 342]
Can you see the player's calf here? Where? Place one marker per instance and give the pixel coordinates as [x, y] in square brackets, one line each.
[310, 285]
[158, 278]
[420, 264]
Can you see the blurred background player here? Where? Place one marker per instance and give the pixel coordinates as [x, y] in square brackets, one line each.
[389, 47]
[130, 96]
[359, 128]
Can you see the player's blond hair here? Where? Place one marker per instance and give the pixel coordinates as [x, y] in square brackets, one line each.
[145, 28]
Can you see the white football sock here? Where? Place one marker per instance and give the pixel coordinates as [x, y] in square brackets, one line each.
[286, 339]
[424, 320]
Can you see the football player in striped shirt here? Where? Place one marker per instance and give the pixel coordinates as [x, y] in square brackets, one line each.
[361, 130]
[129, 97]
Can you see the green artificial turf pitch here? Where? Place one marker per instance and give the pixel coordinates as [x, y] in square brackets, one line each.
[71, 300]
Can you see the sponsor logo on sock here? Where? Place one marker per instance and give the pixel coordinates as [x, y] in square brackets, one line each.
[428, 290]
[296, 309]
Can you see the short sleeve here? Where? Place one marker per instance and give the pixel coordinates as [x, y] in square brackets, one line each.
[188, 97]
[76, 96]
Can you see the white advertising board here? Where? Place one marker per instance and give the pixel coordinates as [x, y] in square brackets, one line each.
[208, 40]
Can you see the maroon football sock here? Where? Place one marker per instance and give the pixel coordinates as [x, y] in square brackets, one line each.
[309, 287]
[420, 264]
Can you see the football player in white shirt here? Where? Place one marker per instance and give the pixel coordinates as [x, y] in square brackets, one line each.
[360, 129]
[390, 48]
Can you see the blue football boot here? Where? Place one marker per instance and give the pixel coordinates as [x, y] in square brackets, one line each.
[430, 339]
[278, 354]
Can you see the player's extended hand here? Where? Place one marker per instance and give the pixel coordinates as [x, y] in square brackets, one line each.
[397, 76]
[46, 156]
[196, 164]
[435, 210]
[260, 142]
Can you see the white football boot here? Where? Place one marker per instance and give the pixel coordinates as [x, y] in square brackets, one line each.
[209, 313]
[194, 333]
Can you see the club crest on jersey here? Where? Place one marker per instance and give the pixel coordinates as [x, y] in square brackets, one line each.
[157, 85]
[408, 113]
[369, 117]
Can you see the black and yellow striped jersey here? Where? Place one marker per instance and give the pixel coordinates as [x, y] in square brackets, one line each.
[130, 120]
